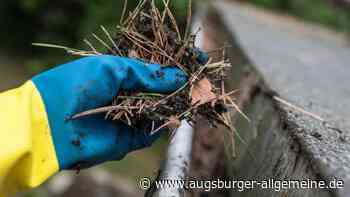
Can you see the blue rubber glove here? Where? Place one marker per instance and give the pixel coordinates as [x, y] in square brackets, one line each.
[90, 83]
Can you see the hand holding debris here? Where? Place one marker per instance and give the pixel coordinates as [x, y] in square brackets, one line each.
[152, 36]
[91, 83]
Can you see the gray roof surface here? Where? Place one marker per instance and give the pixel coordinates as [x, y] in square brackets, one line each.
[307, 65]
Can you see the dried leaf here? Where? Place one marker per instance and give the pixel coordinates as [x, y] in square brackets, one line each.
[202, 92]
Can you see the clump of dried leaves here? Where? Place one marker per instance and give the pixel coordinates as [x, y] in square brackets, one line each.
[153, 36]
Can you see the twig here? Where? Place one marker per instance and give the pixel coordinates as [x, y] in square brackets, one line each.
[124, 11]
[68, 49]
[189, 19]
[173, 20]
[91, 47]
[298, 109]
[99, 111]
[111, 39]
[171, 95]
[103, 43]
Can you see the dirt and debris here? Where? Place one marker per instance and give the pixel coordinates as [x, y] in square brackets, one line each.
[152, 35]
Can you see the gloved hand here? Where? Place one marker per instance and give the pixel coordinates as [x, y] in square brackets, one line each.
[90, 83]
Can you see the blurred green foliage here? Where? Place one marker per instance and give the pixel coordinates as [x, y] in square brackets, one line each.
[64, 22]
[67, 22]
[325, 12]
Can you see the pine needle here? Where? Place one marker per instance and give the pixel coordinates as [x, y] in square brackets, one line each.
[103, 43]
[317, 117]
